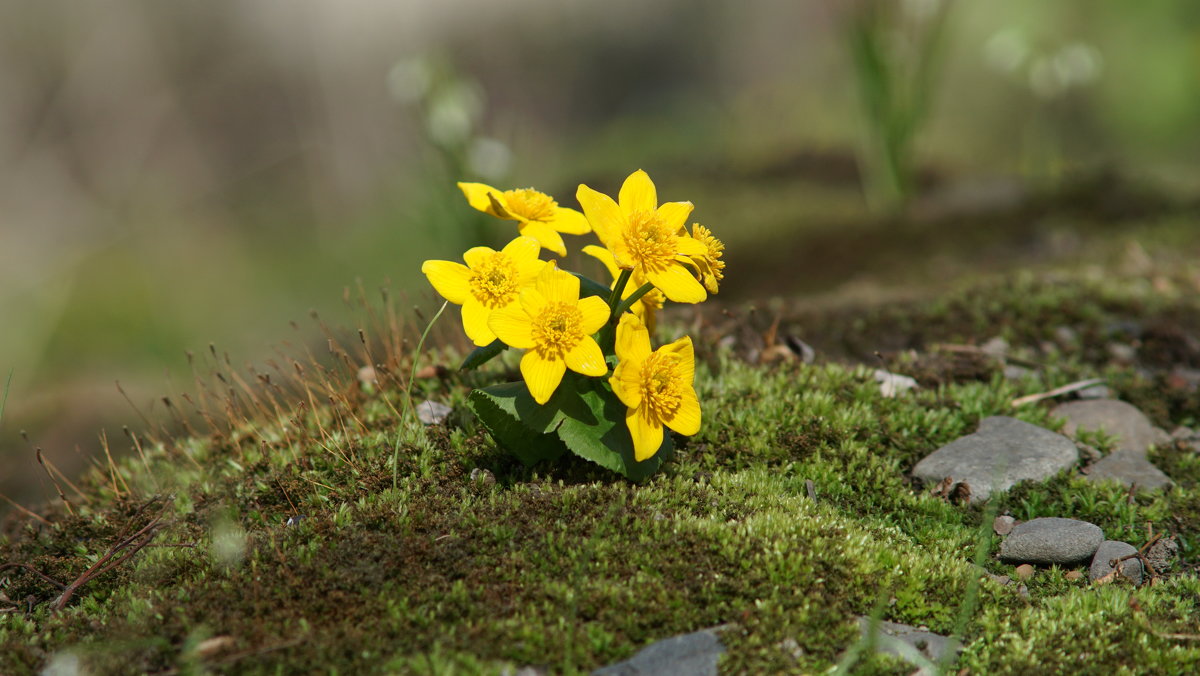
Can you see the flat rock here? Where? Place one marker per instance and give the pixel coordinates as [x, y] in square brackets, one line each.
[1051, 540]
[432, 412]
[901, 640]
[1122, 420]
[1130, 469]
[1002, 452]
[694, 653]
[1115, 549]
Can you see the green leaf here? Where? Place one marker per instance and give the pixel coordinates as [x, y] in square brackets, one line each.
[482, 355]
[583, 415]
[497, 409]
[603, 436]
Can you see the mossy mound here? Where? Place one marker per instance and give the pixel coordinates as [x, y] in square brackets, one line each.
[337, 538]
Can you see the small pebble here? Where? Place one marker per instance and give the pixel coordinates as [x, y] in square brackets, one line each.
[432, 412]
[295, 520]
[1051, 540]
[1003, 524]
[1122, 353]
[483, 476]
[996, 347]
[1110, 550]
[1073, 575]
[1024, 571]
[891, 384]
[1162, 554]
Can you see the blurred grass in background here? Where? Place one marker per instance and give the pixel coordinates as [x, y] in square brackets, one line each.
[175, 174]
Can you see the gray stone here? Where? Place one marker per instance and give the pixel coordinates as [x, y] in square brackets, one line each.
[1129, 469]
[1115, 549]
[1002, 452]
[694, 653]
[432, 412]
[901, 640]
[1051, 540]
[1130, 427]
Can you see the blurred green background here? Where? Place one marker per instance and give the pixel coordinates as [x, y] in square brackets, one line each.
[178, 174]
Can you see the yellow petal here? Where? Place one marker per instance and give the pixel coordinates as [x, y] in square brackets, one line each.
[674, 214]
[638, 193]
[677, 284]
[522, 249]
[511, 325]
[569, 221]
[557, 286]
[686, 354]
[475, 322]
[452, 280]
[601, 211]
[687, 246]
[686, 420]
[626, 383]
[542, 376]
[604, 256]
[594, 313]
[646, 313]
[478, 197]
[586, 358]
[647, 434]
[547, 236]
[478, 255]
[633, 340]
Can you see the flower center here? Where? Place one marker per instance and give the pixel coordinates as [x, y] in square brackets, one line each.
[494, 281]
[556, 330]
[716, 249]
[660, 385]
[649, 242]
[530, 204]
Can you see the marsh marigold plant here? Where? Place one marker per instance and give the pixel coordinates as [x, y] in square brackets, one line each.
[592, 382]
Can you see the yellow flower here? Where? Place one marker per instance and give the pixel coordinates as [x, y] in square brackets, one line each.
[656, 386]
[537, 214]
[710, 265]
[491, 280]
[555, 328]
[645, 308]
[643, 236]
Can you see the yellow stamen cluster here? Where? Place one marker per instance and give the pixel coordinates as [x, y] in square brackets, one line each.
[648, 242]
[556, 329]
[660, 385]
[711, 267]
[495, 281]
[530, 204]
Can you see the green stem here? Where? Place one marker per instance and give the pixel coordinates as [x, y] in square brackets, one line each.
[412, 377]
[619, 288]
[628, 302]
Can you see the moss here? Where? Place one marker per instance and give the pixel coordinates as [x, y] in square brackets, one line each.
[404, 562]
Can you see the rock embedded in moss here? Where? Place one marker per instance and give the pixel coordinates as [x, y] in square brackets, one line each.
[1115, 549]
[1122, 420]
[1130, 469]
[892, 635]
[694, 653]
[1052, 540]
[1002, 452]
